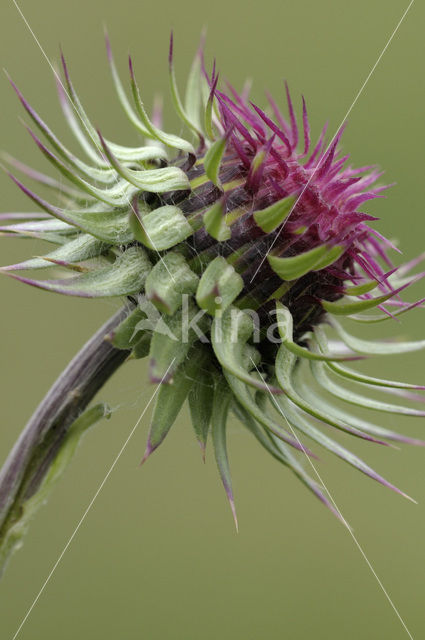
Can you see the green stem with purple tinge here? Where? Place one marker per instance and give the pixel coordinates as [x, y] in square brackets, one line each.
[40, 442]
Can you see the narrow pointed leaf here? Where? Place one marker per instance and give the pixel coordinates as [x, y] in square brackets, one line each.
[329, 408]
[361, 289]
[347, 307]
[299, 422]
[243, 396]
[201, 398]
[110, 226]
[219, 286]
[297, 266]
[168, 139]
[152, 180]
[215, 222]
[212, 160]
[126, 276]
[122, 97]
[84, 247]
[172, 338]
[184, 117]
[129, 332]
[344, 394]
[193, 96]
[285, 327]
[162, 228]
[377, 348]
[271, 217]
[285, 362]
[219, 420]
[229, 334]
[350, 374]
[169, 279]
[170, 399]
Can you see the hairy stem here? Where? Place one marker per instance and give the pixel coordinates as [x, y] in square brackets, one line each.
[40, 441]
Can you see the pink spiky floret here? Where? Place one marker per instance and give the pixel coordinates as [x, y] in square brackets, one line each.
[328, 191]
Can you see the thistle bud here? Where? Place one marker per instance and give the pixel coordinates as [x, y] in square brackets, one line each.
[240, 249]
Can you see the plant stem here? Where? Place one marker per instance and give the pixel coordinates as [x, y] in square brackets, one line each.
[40, 441]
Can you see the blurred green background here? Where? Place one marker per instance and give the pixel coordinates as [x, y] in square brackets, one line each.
[157, 556]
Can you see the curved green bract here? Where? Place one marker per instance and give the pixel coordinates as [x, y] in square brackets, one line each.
[220, 410]
[356, 376]
[125, 276]
[162, 228]
[319, 372]
[169, 279]
[218, 287]
[212, 160]
[215, 222]
[229, 334]
[376, 348]
[285, 327]
[284, 367]
[83, 247]
[271, 217]
[312, 260]
[170, 399]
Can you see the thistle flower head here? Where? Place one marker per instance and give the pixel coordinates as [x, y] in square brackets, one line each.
[240, 247]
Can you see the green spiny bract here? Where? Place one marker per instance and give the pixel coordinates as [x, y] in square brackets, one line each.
[236, 251]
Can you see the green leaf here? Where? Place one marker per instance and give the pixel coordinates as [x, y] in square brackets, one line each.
[169, 279]
[88, 134]
[110, 226]
[209, 108]
[376, 348]
[271, 217]
[229, 334]
[124, 277]
[158, 180]
[258, 432]
[219, 286]
[162, 228]
[299, 422]
[168, 139]
[319, 373]
[180, 110]
[278, 449]
[325, 406]
[171, 397]
[350, 374]
[383, 316]
[83, 247]
[142, 347]
[361, 289]
[193, 97]
[215, 222]
[285, 363]
[122, 96]
[212, 160]
[128, 334]
[285, 327]
[116, 195]
[346, 308]
[201, 397]
[312, 260]
[219, 419]
[243, 396]
[172, 338]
